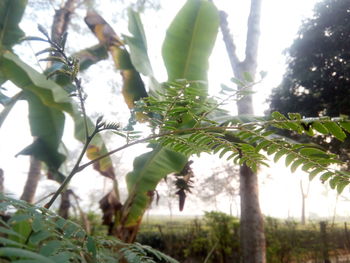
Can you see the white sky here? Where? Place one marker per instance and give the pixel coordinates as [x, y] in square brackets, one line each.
[280, 195]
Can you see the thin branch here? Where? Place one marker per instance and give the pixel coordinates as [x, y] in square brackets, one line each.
[82, 106]
[191, 130]
[73, 172]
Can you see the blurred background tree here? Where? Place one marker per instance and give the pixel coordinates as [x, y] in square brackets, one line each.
[316, 82]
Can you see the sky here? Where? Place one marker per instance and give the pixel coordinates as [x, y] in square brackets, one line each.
[279, 190]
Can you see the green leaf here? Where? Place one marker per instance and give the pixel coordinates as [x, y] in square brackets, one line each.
[315, 172]
[46, 125]
[278, 116]
[279, 154]
[50, 247]
[189, 41]
[272, 149]
[290, 157]
[149, 169]
[11, 12]
[314, 153]
[341, 185]
[318, 126]
[238, 82]
[19, 217]
[345, 173]
[10, 232]
[294, 116]
[9, 242]
[22, 229]
[42, 235]
[262, 145]
[8, 106]
[345, 125]
[226, 88]
[335, 130]
[306, 167]
[91, 245]
[51, 95]
[324, 177]
[248, 77]
[334, 181]
[138, 44]
[91, 56]
[64, 256]
[38, 223]
[25, 254]
[296, 164]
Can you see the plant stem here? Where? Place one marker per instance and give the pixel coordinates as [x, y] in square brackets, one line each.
[73, 172]
[155, 136]
[81, 99]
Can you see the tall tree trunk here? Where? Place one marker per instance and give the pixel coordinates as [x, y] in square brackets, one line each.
[252, 224]
[62, 19]
[31, 184]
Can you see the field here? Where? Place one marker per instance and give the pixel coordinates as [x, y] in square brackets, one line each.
[215, 238]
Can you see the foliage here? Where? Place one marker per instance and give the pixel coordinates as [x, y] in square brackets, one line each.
[180, 114]
[45, 98]
[187, 32]
[249, 137]
[34, 234]
[286, 240]
[223, 236]
[317, 78]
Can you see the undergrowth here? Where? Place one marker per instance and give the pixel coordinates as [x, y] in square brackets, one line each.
[34, 234]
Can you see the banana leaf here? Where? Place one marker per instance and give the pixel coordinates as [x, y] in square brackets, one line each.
[184, 35]
[133, 87]
[149, 169]
[189, 41]
[11, 12]
[53, 99]
[138, 44]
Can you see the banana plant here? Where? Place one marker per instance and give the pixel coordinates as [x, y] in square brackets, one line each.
[47, 100]
[186, 50]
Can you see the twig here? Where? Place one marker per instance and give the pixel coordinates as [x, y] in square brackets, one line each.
[73, 172]
[211, 252]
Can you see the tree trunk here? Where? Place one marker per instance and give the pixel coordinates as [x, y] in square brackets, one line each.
[252, 224]
[62, 19]
[31, 184]
[304, 195]
[65, 204]
[324, 240]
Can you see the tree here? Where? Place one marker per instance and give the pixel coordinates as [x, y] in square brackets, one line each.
[317, 77]
[304, 195]
[252, 227]
[223, 182]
